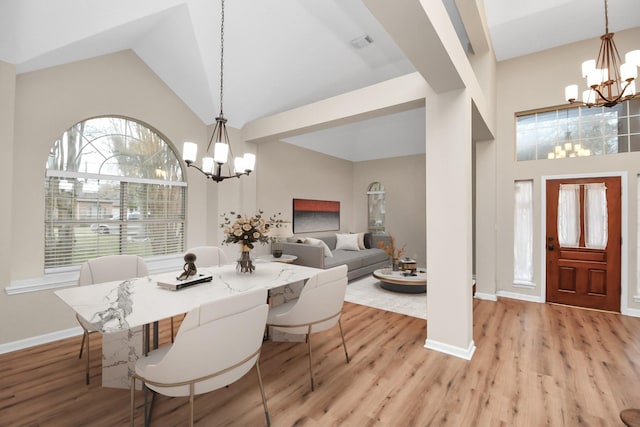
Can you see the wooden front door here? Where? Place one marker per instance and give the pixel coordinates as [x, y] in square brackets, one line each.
[584, 242]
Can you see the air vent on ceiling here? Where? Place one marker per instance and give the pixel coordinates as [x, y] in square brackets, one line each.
[362, 41]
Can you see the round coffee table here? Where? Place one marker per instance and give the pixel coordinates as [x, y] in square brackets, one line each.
[400, 281]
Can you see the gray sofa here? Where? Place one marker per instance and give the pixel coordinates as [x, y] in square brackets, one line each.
[359, 263]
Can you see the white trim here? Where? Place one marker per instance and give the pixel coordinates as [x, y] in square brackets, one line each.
[633, 312]
[463, 353]
[69, 277]
[488, 297]
[624, 230]
[102, 177]
[522, 297]
[636, 298]
[40, 339]
[523, 284]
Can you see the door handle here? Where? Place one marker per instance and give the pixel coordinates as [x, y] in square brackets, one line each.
[550, 247]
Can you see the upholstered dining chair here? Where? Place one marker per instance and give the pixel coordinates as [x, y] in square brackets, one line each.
[318, 308]
[106, 269]
[208, 256]
[217, 344]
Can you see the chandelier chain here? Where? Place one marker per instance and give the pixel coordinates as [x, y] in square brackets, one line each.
[221, 56]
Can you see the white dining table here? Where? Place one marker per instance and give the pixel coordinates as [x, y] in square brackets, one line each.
[120, 309]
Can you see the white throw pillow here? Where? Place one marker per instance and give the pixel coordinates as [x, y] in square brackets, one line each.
[312, 241]
[361, 241]
[347, 242]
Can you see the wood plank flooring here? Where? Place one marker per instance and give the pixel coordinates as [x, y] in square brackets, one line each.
[535, 365]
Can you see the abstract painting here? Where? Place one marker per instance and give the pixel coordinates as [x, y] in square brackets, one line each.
[315, 215]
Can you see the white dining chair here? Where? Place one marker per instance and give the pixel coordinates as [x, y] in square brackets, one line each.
[216, 345]
[208, 256]
[318, 308]
[106, 269]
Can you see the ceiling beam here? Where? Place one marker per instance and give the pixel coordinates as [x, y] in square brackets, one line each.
[392, 96]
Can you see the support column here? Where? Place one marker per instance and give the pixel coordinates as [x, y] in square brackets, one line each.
[449, 223]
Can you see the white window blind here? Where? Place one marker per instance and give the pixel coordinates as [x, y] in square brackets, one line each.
[596, 218]
[523, 233]
[569, 215]
[112, 186]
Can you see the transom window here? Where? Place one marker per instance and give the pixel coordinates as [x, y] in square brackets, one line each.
[578, 132]
[113, 186]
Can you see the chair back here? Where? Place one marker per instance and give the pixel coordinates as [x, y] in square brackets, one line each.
[208, 256]
[112, 267]
[320, 302]
[221, 337]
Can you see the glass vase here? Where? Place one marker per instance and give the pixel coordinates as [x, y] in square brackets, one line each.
[245, 263]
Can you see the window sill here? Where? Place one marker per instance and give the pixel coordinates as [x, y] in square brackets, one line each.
[63, 279]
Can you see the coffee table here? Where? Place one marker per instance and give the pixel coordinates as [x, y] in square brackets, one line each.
[397, 281]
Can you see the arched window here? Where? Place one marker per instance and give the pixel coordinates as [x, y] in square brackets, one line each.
[113, 186]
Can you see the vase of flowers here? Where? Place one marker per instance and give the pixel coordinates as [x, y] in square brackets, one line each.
[245, 231]
[393, 252]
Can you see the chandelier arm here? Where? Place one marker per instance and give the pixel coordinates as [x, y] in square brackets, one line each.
[615, 100]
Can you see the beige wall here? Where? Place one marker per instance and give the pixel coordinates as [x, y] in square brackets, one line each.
[404, 182]
[538, 81]
[47, 102]
[285, 172]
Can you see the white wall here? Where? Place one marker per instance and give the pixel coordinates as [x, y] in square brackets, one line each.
[538, 81]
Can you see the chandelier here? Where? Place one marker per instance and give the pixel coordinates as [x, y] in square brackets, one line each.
[212, 166]
[608, 83]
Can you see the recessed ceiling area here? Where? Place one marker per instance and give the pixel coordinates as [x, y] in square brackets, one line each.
[404, 135]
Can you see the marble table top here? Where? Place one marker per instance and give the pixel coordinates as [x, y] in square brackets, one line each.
[120, 305]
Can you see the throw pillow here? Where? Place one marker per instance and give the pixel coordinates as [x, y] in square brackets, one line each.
[327, 251]
[361, 241]
[347, 242]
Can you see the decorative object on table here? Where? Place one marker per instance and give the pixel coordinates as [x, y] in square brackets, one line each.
[279, 231]
[245, 231]
[609, 81]
[408, 265]
[315, 215]
[189, 268]
[393, 252]
[212, 166]
[175, 285]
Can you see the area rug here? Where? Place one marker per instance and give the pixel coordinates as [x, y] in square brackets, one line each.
[367, 291]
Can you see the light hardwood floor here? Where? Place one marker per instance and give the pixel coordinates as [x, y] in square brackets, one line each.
[535, 364]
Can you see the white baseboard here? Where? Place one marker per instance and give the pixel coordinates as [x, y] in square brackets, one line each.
[462, 353]
[40, 339]
[633, 312]
[488, 297]
[523, 297]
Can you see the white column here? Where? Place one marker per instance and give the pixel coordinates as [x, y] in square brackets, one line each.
[449, 223]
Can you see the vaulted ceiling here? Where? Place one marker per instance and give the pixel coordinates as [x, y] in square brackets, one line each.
[279, 54]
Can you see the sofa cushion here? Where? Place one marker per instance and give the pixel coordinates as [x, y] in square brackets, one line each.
[312, 241]
[347, 242]
[355, 259]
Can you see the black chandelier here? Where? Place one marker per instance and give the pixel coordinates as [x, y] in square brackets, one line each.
[212, 166]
